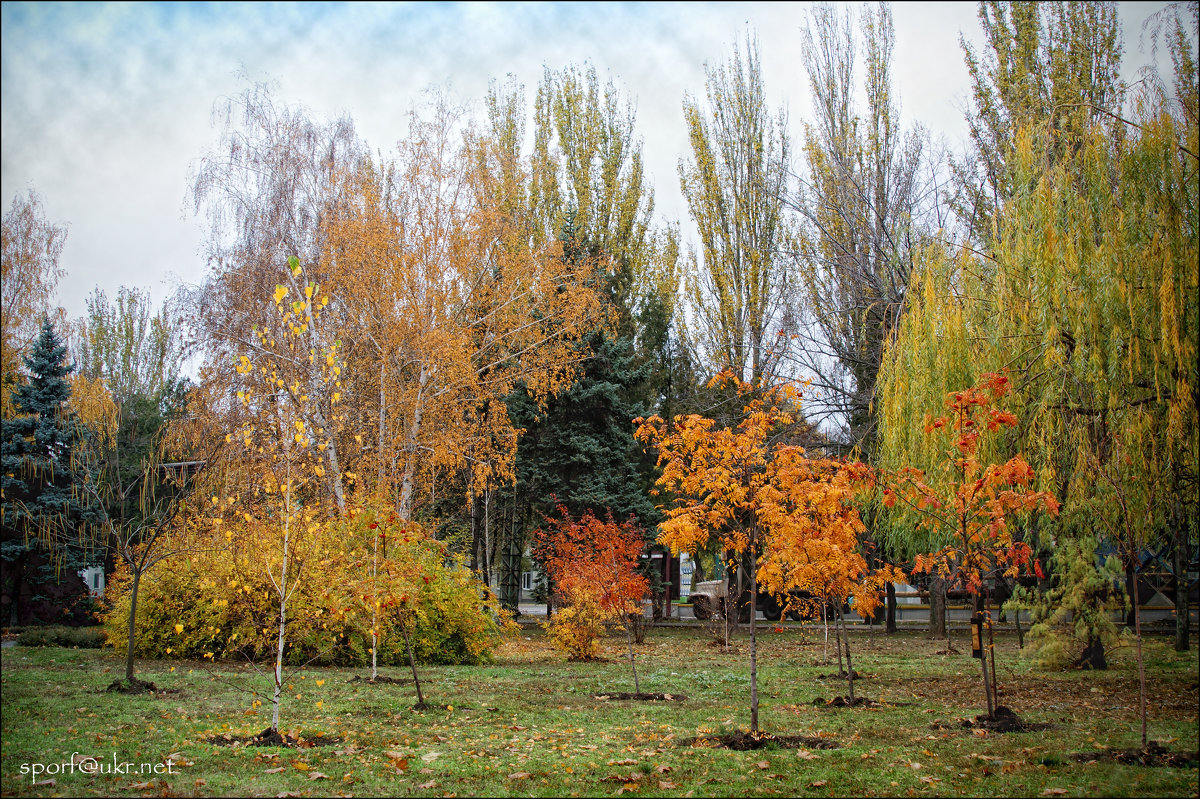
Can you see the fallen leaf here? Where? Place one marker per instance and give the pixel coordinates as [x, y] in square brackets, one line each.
[274, 770]
[626, 762]
[662, 768]
[427, 785]
[45, 783]
[818, 784]
[666, 785]
[429, 757]
[138, 786]
[762, 764]
[520, 775]
[804, 754]
[300, 765]
[1054, 792]
[316, 775]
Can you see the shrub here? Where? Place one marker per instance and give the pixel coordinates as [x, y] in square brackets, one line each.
[223, 610]
[57, 635]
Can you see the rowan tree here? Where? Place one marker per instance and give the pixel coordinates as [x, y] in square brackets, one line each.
[819, 548]
[971, 505]
[747, 489]
[592, 565]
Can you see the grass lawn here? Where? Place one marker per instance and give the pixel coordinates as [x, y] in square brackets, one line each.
[528, 724]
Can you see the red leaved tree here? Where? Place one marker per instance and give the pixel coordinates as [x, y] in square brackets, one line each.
[592, 566]
[970, 502]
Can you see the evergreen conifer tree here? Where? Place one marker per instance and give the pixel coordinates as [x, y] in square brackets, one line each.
[46, 518]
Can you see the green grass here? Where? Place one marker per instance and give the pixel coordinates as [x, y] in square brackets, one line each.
[532, 714]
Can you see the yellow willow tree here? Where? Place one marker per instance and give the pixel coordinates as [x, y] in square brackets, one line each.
[283, 503]
[750, 492]
[1089, 298]
[453, 305]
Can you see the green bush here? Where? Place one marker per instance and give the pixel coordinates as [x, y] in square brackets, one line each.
[78, 637]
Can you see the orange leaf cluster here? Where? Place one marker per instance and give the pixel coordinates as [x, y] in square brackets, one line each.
[747, 488]
[977, 509]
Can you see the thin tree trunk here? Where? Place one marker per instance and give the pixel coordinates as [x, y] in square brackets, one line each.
[991, 648]
[1179, 563]
[404, 506]
[637, 687]
[132, 626]
[412, 662]
[825, 624]
[282, 635]
[753, 644]
[890, 621]
[1137, 628]
[849, 663]
[937, 608]
[837, 640]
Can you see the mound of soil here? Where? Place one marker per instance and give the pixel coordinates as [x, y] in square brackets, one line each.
[1155, 754]
[742, 741]
[270, 737]
[841, 701]
[135, 687]
[1003, 719]
[380, 680]
[642, 697]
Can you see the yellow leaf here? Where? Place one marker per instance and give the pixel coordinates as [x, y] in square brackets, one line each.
[179, 629]
[280, 293]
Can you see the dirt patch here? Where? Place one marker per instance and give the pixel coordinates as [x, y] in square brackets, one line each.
[742, 741]
[1003, 719]
[642, 697]
[840, 675]
[270, 737]
[380, 680]
[137, 687]
[1155, 754]
[841, 701]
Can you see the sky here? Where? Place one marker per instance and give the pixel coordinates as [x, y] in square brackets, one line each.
[106, 106]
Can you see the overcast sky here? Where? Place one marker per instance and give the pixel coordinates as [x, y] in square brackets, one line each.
[105, 106]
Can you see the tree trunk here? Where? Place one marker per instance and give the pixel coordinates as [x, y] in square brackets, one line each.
[629, 640]
[849, 662]
[412, 663]
[1179, 564]
[937, 608]
[1132, 592]
[1137, 628]
[753, 645]
[837, 639]
[890, 622]
[132, 626]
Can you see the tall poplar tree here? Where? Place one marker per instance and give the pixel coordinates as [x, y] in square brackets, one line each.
[735, 184]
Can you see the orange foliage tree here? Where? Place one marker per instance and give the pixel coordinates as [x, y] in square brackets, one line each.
[748, 490]
[971, 514]
[592, 565]
[820, 549]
